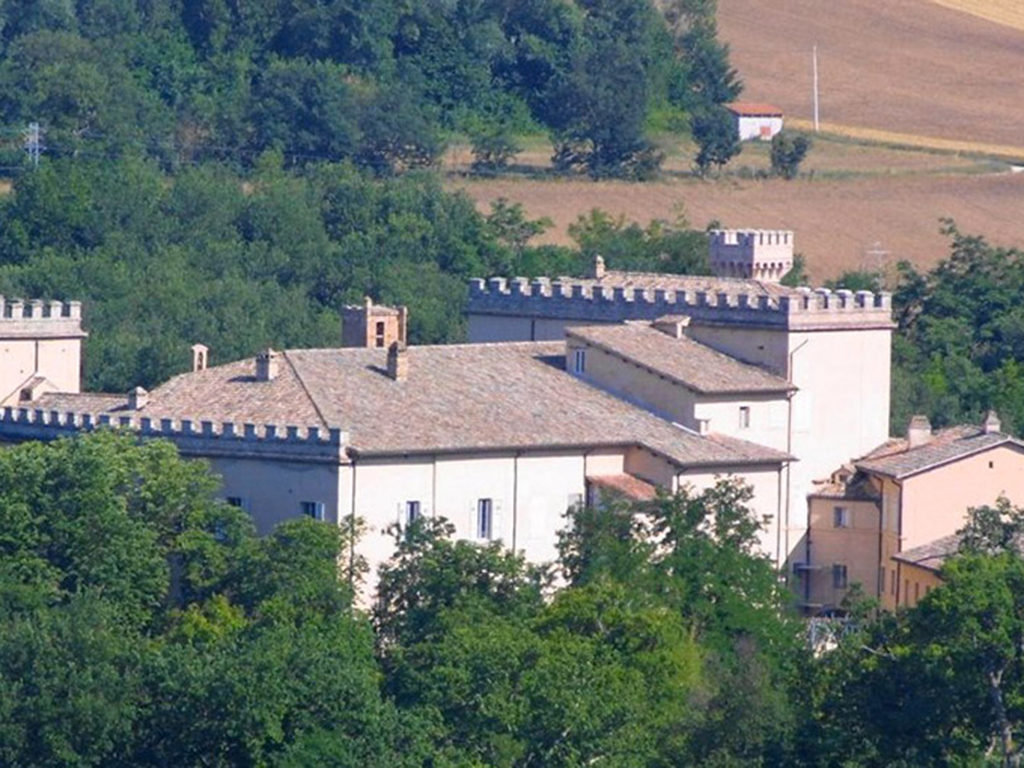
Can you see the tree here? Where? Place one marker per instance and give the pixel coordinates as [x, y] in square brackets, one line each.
[714, 130]
[788, 151]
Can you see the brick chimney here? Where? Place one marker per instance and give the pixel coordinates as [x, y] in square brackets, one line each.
[398, 361]
[138, 398]
[267, 365]
[992, 424]
[200, 357]
[919, 431]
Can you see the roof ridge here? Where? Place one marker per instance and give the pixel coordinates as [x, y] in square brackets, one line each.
[302, 383]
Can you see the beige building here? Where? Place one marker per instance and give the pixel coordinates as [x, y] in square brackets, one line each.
[874, 522]
[40, 348]
[620, 383]
[830, 349]
[498, 438]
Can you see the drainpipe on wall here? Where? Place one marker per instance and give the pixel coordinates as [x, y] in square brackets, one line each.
[515, 497]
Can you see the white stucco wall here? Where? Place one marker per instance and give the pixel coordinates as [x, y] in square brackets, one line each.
[764, 505]
[274, 490]
[753, 127]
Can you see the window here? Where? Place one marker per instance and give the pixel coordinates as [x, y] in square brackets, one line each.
[379, 333]
[238, 501]
[839, 576]
[412, 512]
[906, 590]
[484, 519]
[840, 517]
[579, 360]
[917, 591]
[744, 417]
[314, 509]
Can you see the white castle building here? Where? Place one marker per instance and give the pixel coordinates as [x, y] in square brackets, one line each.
[570, 389]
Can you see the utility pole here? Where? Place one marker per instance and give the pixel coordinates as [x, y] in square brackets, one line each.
[815, 66]
[33, 143]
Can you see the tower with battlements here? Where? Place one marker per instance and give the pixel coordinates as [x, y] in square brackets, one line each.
[760, 254]
[40, 348]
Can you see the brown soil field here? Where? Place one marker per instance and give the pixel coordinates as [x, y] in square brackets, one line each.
[1008, 12]
[837, 222]
[912, 66]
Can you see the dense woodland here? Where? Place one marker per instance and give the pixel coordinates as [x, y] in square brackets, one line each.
[143, 623]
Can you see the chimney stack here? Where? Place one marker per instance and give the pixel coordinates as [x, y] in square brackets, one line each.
[200, 357]
[598, 270]
[919, 431]
[398, 361]
[992, 424]
[138, 398]
[267, 364]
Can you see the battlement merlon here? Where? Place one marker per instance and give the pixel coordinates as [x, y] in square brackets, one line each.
[803, 309]
[193, 438]
[37, 319]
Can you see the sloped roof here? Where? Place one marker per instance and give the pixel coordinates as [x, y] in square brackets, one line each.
[753, 109]
[629, 486]
[932, 555]
[897, 460]
[455, 398]
[683, 360]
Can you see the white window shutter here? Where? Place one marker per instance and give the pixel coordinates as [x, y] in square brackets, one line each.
[400, 517]
[497, 531]
[473, 526]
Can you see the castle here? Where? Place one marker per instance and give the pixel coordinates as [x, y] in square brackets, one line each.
[570, 390]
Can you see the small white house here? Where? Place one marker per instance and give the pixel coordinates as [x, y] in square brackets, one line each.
[756, 121]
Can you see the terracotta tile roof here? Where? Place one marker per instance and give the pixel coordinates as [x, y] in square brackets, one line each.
[895, 459]
[86, 402]
[630, 486]
[455, 398]
[753, 109]
[931, 555]
[683, 360]
[694, 283]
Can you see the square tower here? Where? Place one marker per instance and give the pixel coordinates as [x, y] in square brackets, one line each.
[760, 254]
[373, 325]
[40, 348]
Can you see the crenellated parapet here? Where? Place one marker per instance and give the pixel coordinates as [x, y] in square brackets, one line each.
[589, 301]
[40, 319]
[202, 438]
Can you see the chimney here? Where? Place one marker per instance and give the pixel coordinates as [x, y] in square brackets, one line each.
[597, 272]
[200, 357]
[992, 425]
[673, 325]
[919, 431]
[267, 363]
[403, 324]
[138, 398]
[398, 361]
